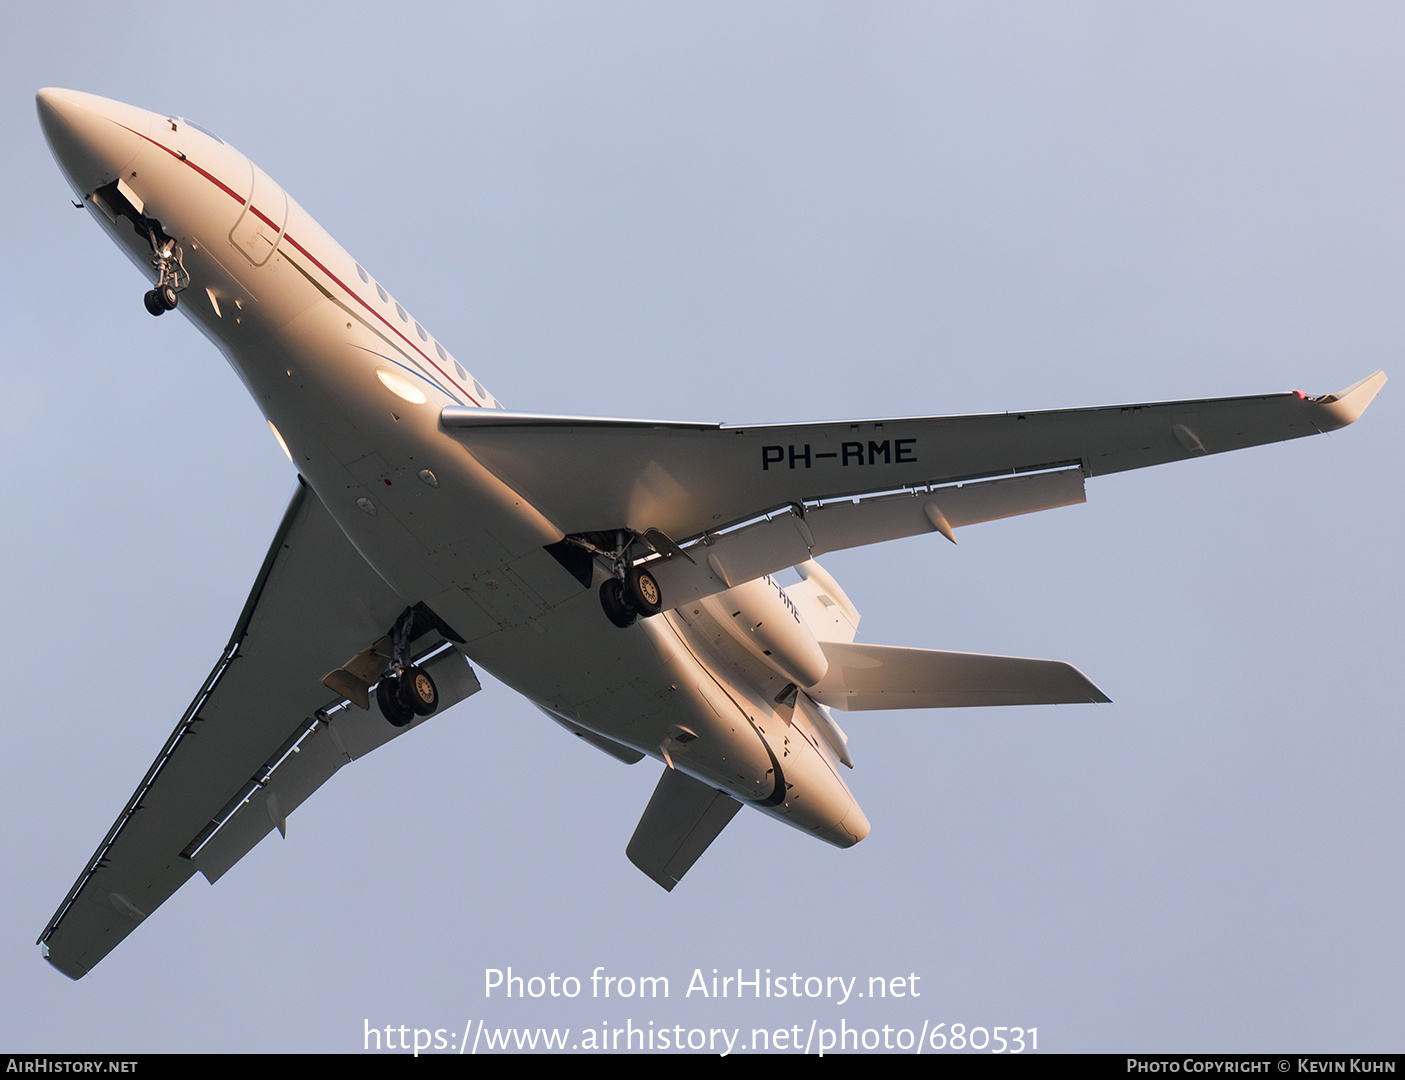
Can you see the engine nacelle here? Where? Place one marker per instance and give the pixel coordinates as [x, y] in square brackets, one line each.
[760, 616]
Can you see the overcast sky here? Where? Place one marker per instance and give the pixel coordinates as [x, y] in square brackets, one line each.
[757, 213]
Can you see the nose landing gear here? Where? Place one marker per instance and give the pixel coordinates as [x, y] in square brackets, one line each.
[171, 277]
[118, 201]
[162, 299]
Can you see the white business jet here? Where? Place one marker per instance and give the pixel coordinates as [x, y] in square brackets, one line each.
[616, 572]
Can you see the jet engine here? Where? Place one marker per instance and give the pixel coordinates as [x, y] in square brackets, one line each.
[765, 621]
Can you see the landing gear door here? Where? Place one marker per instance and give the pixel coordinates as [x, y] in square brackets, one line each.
[259, 229]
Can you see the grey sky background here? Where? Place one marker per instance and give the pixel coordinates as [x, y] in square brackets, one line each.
[759, 213]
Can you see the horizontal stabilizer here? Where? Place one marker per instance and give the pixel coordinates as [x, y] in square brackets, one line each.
[862, 677]
[683, 817]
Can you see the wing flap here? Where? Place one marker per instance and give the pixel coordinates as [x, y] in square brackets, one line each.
[688, 479]
[788, 538]
[683, 817]
[863, 677]
[344, 736]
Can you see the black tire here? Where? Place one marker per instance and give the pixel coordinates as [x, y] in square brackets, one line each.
[418, 692]
[153, 303]
[643, 591]
[612, 599]
[388, 697]
[168, 296]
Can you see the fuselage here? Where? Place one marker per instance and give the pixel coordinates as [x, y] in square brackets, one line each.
[353, 386]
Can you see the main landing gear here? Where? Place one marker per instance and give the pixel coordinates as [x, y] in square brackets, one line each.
[405, 691]
[625, 600]
[632, 591]
[405, 696]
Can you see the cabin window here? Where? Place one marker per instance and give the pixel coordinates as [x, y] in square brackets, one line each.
[420, 330]
[440, 350]
[403, 316]
[482, 394]
[462, 373]
[364, 276]
[384, 297]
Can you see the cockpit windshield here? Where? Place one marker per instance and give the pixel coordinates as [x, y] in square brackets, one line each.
[197, 127]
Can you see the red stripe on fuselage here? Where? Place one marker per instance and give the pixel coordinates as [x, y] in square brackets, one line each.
[311, 258]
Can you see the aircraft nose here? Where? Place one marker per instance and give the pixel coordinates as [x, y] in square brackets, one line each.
[94, 139]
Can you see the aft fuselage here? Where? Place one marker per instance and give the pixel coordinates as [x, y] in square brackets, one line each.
[353, 386]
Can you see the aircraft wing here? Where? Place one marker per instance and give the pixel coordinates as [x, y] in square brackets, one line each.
[228, 774]
[687, 479]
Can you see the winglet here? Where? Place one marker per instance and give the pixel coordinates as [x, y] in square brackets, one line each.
[1346, 406]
